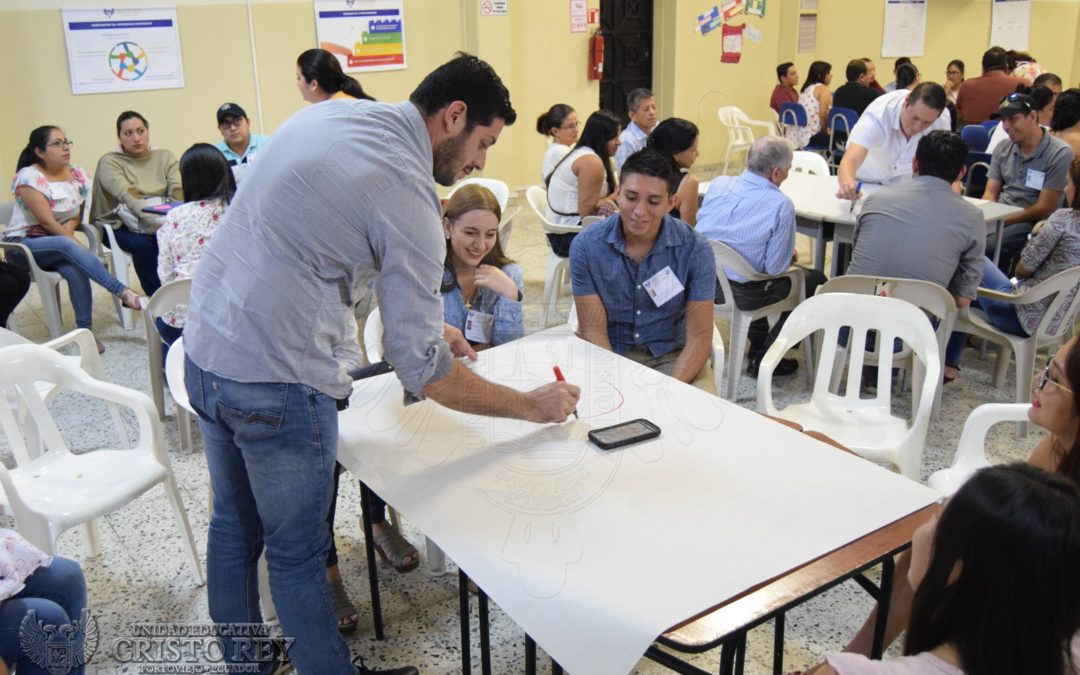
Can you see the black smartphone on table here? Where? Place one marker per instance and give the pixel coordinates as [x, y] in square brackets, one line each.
[626, 433]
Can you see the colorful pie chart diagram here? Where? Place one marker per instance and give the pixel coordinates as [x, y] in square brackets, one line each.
[128, 61]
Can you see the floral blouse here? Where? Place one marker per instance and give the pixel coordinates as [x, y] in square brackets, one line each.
[65, 200]
[181, 238]
[18, 560]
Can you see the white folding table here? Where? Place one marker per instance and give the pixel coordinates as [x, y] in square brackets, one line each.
[594, 554]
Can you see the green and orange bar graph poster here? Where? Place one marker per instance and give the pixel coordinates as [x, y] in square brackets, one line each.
[365, 35]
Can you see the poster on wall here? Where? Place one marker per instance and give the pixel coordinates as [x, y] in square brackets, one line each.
[579, 16]
[1010, 24]
[904, 28]
[365, 35]
[122, 49]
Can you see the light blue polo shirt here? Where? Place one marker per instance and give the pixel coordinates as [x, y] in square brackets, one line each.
[255, 144]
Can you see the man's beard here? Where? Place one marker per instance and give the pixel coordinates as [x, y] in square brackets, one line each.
[444, 158]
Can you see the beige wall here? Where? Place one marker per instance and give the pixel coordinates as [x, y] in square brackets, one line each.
[539, 59]
[955, 29]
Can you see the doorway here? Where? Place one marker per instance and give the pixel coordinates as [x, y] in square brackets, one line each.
[627, 27]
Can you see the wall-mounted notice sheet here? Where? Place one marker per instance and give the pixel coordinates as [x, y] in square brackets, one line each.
[1010, 24]
[904, 28]
[122, 49]
[365, 35]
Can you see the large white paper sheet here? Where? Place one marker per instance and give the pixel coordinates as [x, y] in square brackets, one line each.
[123, 49]
[904, 28]
[1010, 24]
[365, 35]
[593, 553]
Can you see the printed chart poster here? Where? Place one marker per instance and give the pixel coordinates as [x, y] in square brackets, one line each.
[365, 35]
[122, 49]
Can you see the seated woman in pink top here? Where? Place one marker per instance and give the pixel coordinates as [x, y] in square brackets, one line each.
[996, 588]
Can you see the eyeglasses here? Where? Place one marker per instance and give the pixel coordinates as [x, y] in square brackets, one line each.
[235, 124]
[61, 144]
[575, 125]
[1046, 378]
[953, 72]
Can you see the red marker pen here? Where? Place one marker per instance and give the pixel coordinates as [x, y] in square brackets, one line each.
[559, 377]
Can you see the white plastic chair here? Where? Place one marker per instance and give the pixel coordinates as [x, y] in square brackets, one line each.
[740, 135]
[809, 162]
[48, 283]
[717, 356]
[58, 490]
[971, 450]
[86, 357]
[1047, 334]
[557, 275]
[165, 299]
[867, 426]
[498, 188]
[373, 349]
[506, 227]
[739, 320]
[121, 262]
[925, 295]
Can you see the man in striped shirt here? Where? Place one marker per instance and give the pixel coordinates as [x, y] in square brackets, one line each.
[750, 214]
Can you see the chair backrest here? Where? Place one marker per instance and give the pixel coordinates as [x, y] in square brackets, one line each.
[373, 332]
[1057, 320]
[8, 338]
[536, 195]
[793, 114]
[976, 136]
[891, 319]
[809, 162]
[506, 227]
[977, 172]
[497, 187]
[23, 367]
[167, 297]
[734, 121]
[728, 258]
[971, 449]
[989, 125]
[6, 211]
[842, 119]
[926, 295]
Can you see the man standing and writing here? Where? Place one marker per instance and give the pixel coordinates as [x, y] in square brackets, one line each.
[344, 198]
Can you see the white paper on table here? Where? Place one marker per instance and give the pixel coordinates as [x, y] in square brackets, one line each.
[904, 28]
[1011, 24]
[594, 554]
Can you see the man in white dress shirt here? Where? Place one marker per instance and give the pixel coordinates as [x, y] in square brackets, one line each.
[882, 144]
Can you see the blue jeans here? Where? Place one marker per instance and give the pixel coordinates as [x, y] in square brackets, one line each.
[1001, 315]
[271, 450]
[144, 254]
[78, 266]
[57, 594]
[1014, 238]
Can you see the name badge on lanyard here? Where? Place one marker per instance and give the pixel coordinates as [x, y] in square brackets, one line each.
[479, 327]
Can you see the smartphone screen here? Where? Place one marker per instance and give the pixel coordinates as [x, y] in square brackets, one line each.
[624, 434]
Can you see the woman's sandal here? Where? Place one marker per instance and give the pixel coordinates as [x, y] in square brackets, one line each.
[396, 551]
[131, 300]
[347, 615]
[952, 372]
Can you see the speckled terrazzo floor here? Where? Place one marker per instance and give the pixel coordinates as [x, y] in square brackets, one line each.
[141, 577]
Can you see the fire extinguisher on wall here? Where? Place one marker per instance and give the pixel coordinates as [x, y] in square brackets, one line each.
[596, 56]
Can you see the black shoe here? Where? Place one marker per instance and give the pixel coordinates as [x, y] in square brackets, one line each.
[785, 367]
[361, 669]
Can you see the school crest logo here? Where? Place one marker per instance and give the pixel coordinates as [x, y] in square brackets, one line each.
[58, 649]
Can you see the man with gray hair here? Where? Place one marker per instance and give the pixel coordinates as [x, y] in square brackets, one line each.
[641, 108]
[750, 214]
